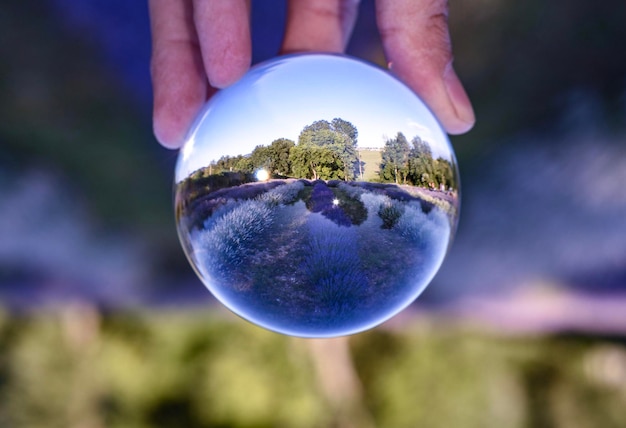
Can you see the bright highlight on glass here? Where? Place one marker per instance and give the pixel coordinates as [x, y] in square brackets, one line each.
[317, 196]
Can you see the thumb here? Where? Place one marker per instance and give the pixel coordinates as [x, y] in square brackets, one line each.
[417, 44]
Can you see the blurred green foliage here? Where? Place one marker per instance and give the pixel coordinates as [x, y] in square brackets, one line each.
[75, 366]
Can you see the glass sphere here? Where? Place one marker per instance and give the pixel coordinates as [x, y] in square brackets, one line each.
[317, 196]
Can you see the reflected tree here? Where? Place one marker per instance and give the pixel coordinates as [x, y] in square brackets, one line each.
[414, 163]
[426, 171]
[315, 162]
[260, 158]
[395, 158]
[420, 164]
[274, 158]
[327, 150]
[278, 153]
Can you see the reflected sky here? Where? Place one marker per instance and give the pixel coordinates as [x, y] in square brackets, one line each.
[277, 99]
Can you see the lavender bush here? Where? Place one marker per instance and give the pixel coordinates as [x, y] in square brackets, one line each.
[233, 237]
[227, 206]
[284, 194]
[428, 231]
[351, 190]
[373, 202]
[390, 212]
[333, 266]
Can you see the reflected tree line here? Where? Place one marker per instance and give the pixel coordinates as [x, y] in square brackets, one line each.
[325, 150]
[328, 151]
[404, 162]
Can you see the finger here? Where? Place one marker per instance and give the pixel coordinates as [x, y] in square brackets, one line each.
[417, 44]
[178, 78]
[224, 35]
[319, 25]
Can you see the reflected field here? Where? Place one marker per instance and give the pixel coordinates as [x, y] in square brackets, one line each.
[314, 257]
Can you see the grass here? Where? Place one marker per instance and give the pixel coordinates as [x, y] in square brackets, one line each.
[76, 366]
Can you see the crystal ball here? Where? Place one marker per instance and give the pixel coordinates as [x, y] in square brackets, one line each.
[317, 196]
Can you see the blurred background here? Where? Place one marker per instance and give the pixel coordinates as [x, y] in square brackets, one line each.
[103, 323]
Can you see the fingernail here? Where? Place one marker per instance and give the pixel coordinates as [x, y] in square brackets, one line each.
[167, 136]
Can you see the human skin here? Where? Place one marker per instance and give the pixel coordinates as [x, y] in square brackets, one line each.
[200, 46]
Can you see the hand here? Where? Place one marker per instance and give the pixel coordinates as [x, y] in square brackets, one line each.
[199, 46]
